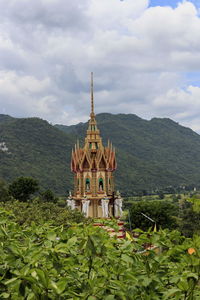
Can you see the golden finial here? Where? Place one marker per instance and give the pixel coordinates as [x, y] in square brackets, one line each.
[92, 97]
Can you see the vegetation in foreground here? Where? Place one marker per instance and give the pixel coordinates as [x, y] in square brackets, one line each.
[50, 252]
[83, 262]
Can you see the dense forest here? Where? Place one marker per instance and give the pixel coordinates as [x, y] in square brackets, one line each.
[151, 155]
[36, 149]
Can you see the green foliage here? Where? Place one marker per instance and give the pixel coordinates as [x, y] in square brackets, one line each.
[189, 216]
[23, 187]
[83, 262]
[40, 212]
[150, 154]
[161, 195]
[48, 196]
[162, 212]
[4, 193]
[195, 200]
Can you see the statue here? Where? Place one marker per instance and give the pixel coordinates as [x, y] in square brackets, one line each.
[104, 205]
[85, 206]
[87, 186]
[100, 184]
[118, 205]
[70, 201]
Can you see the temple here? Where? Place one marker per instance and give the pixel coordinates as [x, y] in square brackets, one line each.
[93, 166]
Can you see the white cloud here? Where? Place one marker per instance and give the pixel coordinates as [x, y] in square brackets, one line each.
[114, 14]
[139, 56]
[47, 13]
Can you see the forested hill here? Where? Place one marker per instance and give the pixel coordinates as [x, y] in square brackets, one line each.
[5, 118]
[37, 149]
[150, 154]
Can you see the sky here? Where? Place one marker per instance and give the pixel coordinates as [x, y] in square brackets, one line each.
[145, 56]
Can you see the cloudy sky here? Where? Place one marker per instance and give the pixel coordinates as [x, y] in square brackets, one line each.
[145, 56]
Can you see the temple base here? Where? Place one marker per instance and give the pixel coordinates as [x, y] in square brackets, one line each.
[98, 207]
[119, 233]
[94, 208]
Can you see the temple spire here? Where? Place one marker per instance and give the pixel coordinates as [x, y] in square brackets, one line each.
[92, 122]
[92, 98]
[93, 166]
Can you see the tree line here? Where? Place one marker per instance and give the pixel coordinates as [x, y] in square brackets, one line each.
[179, 212]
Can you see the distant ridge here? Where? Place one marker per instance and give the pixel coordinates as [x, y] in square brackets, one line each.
[5, 118]
[150, 154]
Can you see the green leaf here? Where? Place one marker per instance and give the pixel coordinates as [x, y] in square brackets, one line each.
[4, 295]
[192, 275]
[14, 250]
[31, 296]
[48, 244]
[43, 277]
[62, 284]
[10, 281]
[127, 258]
[51, 236]
[146, 281]
[170, 293]
[71, 242]
[4, 230]
[183, 285]
[110, 297]
[59, 286]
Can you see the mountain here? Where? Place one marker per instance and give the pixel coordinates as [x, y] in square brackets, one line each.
[37, 149]
[150, 154]
[5, 118]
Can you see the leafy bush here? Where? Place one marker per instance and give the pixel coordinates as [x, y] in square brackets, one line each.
[48, 196]
[189, 216]
[23, 187]
[40, 212]
[83, 262]
[4, 194]
[162, 212]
